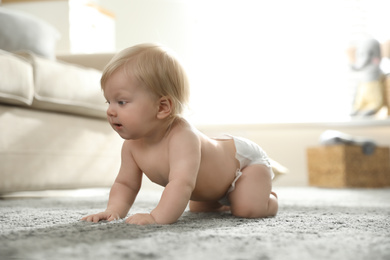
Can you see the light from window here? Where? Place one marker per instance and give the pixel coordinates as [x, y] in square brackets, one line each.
[276, 61]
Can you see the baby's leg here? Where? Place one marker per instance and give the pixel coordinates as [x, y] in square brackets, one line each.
[252, 196]
[207, 206]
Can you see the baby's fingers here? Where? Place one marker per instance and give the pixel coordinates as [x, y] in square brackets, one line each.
[109, 216]
[86, 218]
[94, 218]
[113, 217]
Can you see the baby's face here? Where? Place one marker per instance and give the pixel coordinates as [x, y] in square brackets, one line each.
[132, 110]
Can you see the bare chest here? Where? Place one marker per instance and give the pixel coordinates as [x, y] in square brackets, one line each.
[154, 163]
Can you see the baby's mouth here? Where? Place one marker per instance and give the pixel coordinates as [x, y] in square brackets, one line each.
[117, 125]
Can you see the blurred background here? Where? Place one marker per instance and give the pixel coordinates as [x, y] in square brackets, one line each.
[249, 61]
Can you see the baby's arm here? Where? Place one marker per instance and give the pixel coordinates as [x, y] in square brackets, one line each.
[184, 162]
[123, 191]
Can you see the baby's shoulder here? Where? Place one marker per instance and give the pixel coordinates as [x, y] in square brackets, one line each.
[183, 131]
[182, 126]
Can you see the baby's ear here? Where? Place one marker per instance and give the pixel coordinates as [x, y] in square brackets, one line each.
[164, 107]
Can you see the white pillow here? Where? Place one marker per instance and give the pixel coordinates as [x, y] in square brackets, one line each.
[21, 31]
[64, 87]
[16, 80]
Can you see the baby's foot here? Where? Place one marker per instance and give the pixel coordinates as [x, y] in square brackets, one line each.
[224, 208]
[207, 206]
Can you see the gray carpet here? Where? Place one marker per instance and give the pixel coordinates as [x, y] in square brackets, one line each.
[312, 224]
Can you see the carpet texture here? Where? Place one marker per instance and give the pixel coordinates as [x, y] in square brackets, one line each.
[312, 224]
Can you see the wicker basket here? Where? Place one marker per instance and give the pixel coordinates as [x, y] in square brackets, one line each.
[347, 166]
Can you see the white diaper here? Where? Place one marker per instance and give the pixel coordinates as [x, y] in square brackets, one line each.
[247, 153]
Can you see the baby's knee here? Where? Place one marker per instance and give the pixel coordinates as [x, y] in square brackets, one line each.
[243, 212]
[249, 213]
[248, 210]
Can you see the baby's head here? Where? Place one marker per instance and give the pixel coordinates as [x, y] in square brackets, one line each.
[156, 69]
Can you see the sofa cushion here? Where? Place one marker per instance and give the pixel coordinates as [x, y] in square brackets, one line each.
[21, 31]
[65, 87]
[16, 80]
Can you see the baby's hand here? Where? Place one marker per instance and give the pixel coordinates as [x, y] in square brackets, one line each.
[141, 219]
[106, 215]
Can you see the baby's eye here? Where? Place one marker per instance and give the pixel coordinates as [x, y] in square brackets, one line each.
[121, 103]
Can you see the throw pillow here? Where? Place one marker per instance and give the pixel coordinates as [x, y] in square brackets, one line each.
[21, 31]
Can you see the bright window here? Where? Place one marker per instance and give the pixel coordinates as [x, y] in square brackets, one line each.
[91, 28]
[276, 61]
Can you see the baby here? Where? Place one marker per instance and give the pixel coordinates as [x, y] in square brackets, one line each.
[146, 89]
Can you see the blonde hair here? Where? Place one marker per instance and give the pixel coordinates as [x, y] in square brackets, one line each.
[155, 68]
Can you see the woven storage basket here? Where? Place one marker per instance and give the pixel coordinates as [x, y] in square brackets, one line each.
[347, 166]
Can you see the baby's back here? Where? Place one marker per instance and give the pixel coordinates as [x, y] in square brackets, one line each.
[217, 168]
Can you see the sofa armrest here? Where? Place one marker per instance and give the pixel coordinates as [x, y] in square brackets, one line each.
[96, 60]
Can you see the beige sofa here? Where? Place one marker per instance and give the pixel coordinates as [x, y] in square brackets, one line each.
[53, 132]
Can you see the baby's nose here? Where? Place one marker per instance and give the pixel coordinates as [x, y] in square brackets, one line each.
[111, 111]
